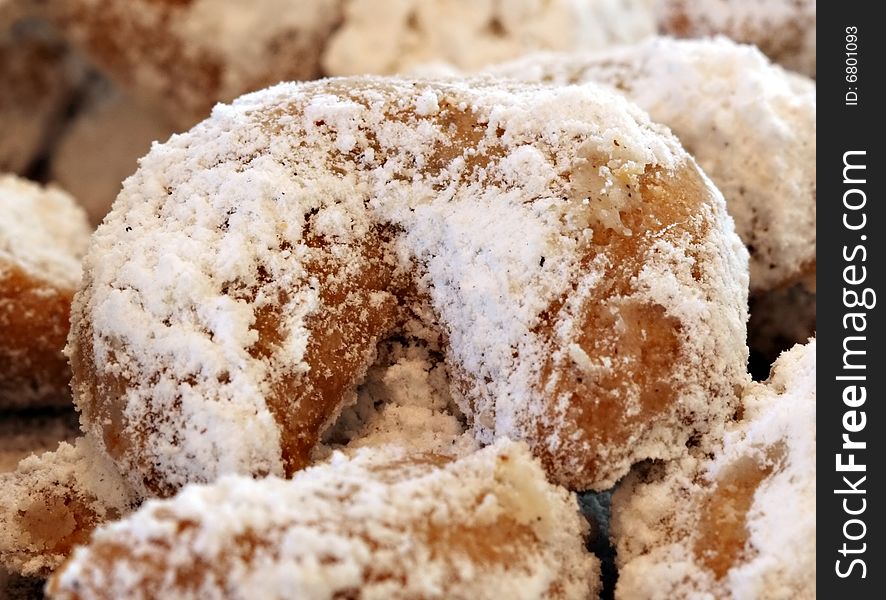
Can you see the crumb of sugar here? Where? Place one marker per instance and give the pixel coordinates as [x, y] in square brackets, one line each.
[384, 521]
[659, 519]
[749, 123]
[43, 232]
[393, 37]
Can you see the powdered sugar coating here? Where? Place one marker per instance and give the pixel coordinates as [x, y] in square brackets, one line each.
[750, 125]
[757, 493]
[274, 245]
[382, 524]
[52, 501]
[783, 29]
[396, 35]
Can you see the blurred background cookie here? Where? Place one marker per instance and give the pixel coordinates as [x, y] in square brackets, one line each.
[39, 77]
[397, 35]
[185, 56]
[101, 144]
[784, 29]
[43, 236]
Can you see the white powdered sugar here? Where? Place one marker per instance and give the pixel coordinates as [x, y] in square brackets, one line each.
[760, 488]
[405, 402]
[42, 233]
[268, 207]
[50, 501]
[382, 524]
[750, 125]
[396, 35]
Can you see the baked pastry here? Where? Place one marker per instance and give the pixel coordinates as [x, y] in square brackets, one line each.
[52, 502]
[581, 273]
[739, 524]
[39, 78]
[784, 29]
[403, 403]
[395, 36]
[43, 235]
[383, 524]
[186, 56]
[101, 144]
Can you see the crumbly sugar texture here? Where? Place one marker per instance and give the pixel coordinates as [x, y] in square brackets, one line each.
[52, 501]
[187, 55]
[404, 401]
[740, 524]
[783, 29]
[43, 236]
[26, 433]
[39, 77]
[581, 274]
[384, 523]
[397, 35]
[749, 123]
[101, 144]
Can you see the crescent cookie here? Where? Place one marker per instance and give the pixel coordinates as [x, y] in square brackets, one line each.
[382, 524]
[581, 273]
[52, 502]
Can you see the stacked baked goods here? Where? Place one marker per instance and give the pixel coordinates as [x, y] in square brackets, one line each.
[371, 331]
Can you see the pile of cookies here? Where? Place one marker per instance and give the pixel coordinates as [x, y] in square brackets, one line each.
[368, 332]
